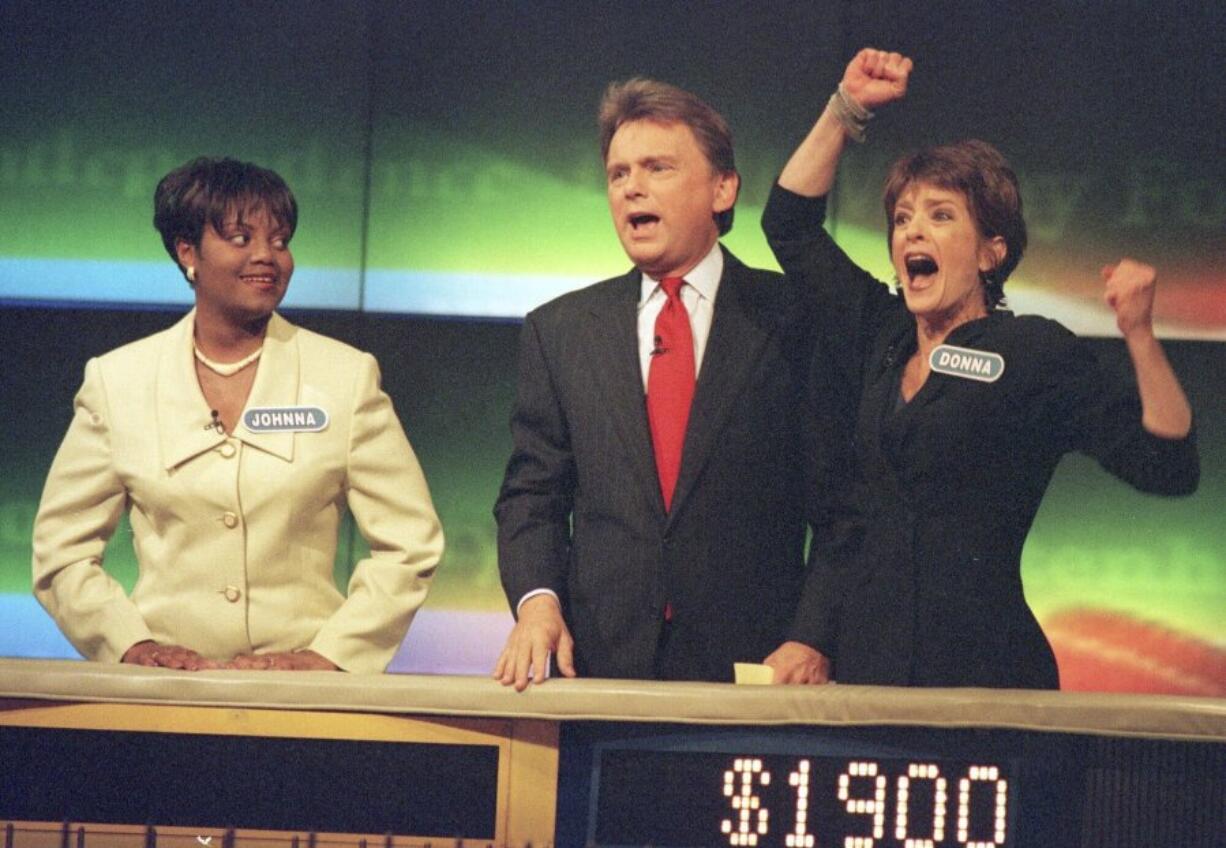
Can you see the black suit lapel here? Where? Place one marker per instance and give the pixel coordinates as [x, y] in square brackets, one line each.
[733, 348]
[619, 378]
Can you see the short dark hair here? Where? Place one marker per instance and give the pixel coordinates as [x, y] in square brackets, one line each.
[979, 172]
[642, 99]
[208, 190]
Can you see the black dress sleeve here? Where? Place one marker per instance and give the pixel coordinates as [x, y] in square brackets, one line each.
[848, 303]
[1088, 407]
[848, 308]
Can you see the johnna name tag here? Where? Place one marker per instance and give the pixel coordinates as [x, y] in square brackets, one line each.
[285, 419]
[981, 365]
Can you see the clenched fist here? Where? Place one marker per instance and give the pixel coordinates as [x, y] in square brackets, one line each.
[876, 77]
[1130, 294]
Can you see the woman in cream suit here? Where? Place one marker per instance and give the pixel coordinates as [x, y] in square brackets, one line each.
[235, 440]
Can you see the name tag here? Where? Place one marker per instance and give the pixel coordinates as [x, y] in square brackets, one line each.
[981, 365]
[285, 419]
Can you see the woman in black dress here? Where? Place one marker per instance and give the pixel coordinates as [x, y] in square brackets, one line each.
[944, 416]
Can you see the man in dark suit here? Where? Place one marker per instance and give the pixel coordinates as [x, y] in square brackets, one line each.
[653, 501]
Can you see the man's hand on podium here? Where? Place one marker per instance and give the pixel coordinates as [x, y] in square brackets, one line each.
[796, 662]
[539, 632]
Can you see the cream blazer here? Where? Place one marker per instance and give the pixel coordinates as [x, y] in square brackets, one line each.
[235, 535]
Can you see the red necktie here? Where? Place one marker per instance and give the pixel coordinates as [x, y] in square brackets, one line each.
[670, 386]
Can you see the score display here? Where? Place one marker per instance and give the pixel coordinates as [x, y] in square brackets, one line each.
[671, 798]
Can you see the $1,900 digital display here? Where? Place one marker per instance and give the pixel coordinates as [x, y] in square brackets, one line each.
[671, 798]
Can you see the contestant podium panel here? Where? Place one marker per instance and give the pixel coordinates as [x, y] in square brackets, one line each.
[96, 756]
[92, 774]
[891, 787]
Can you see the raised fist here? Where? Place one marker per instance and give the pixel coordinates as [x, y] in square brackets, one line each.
[876, 77]
[1130, 294]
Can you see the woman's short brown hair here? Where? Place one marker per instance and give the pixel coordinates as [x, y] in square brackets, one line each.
[208, 190]
[981, 174]
[642, 99]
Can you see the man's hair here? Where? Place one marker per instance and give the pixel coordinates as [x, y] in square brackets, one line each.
[209, 190]
[642, 99]
[981, 174]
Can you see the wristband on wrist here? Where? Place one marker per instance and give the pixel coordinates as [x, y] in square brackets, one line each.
[851, 114]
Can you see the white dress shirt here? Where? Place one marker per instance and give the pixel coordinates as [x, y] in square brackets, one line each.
[698, 296]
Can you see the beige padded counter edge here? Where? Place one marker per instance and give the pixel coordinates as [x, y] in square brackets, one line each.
[1150, 716]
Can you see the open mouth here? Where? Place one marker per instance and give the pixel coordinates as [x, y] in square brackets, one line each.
[643, 221]
[920, 266]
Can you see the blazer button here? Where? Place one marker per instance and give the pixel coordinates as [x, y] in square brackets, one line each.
[230, 520]
[232, 594]
[227, 450]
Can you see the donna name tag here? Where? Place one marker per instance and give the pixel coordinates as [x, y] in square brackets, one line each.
[285, 419]
[981, 365]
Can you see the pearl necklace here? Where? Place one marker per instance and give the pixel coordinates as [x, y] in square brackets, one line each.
[226, 369]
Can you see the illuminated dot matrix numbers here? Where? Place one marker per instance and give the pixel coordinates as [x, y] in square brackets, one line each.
[745, 803]
[862, 789]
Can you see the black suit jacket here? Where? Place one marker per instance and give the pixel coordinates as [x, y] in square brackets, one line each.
[580, 510]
